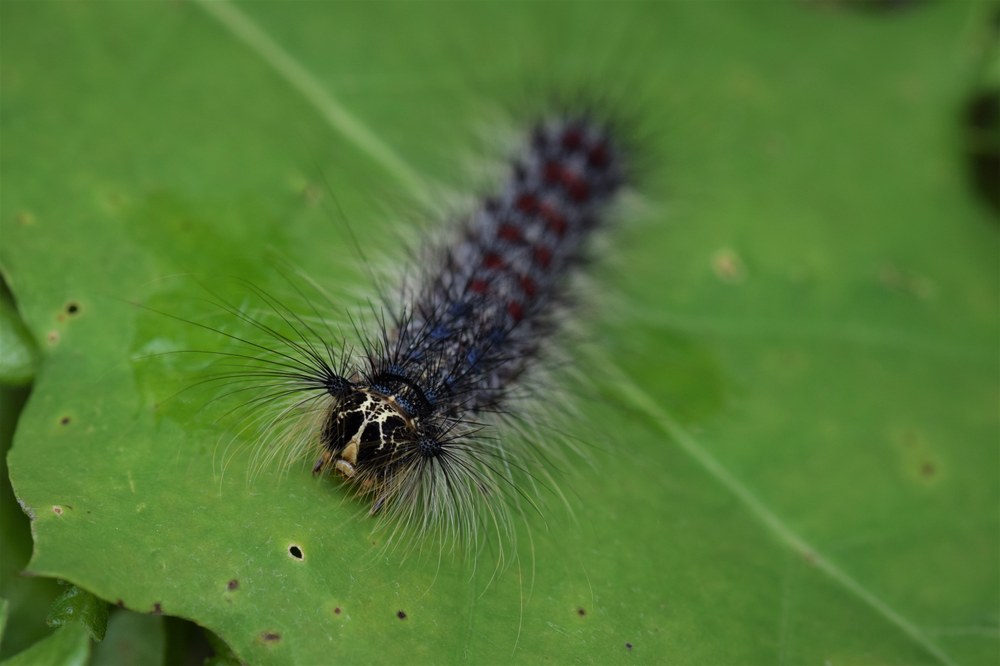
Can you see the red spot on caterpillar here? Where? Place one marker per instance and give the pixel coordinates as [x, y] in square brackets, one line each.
[527, 203]
[571, 139]
[515, 310]
[597, 156]
[528, 286]
[543, 256]
[556, 222]
[576, 186]
[492, 260]
[553, 172]
[478, 286]
[509, 232]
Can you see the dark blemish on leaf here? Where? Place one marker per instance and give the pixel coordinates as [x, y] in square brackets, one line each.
[982, 126]
[52, 337]
[401, 615]
[581, 611]
[628, 646]
[57, 510]
[72, 308]
[120, 603]
[295, 552]
[157, 608]
[271, 636]
[232, 585]
[928, 469]
[336, 611]
[64, 420]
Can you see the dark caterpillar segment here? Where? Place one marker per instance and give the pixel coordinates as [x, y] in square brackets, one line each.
[488, 302]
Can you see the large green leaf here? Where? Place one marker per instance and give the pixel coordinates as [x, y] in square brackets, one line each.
[791, 424]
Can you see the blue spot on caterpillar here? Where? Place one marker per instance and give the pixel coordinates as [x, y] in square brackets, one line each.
[410, 424]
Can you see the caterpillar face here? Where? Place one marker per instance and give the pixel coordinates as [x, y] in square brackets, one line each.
[365, 433]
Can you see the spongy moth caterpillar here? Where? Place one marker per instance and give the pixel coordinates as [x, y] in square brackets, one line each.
[410, 424]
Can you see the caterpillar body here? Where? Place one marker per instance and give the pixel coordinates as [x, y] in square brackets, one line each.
[410, 424]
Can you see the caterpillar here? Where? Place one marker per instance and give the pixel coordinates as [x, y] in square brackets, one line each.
[412, 423]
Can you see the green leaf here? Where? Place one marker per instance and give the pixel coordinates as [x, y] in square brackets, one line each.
[790, 424]
[18, 352]
[66, 646]
[76, 605]
[4, 611]
[224, 656]
[132, 638]
[28, 597]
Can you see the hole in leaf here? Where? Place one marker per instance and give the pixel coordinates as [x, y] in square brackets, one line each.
[72, 308]
[401, 615]
[295, 552]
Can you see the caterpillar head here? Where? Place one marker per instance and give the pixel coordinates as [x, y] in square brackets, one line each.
[365, 434]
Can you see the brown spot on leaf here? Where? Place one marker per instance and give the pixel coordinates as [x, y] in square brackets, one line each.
[337, 611]
[401, 615]
[581, 611]
[64, 420]
[628, 646]
[928, 469]
[52, 337]
[233, 585]
[157, 608]
[271, 636]
[57, 510]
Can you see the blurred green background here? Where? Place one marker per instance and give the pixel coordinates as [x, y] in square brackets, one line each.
[787, 391]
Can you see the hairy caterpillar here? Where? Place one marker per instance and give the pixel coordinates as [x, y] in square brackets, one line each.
[410, 424]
